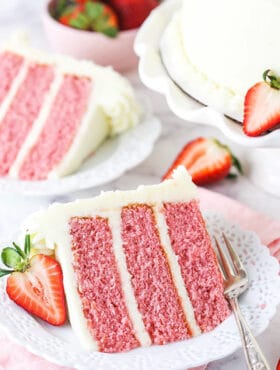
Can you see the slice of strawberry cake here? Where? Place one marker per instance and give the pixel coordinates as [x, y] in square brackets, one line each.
[138, 266]
[55, 111]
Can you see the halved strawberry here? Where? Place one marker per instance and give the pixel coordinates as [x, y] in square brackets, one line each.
[35, 283]
[278, 365]
[132, 13]
[207, 161]
[262, 106]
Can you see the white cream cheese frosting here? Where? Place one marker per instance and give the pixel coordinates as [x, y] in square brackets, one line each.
[227, 45]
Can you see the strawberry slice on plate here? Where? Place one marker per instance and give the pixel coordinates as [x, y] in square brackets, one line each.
[35, 283]
[207, 161]
[262, 106]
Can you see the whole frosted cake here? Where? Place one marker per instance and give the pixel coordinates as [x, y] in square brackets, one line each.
[138, 266]
[216, 50]
[55, 111]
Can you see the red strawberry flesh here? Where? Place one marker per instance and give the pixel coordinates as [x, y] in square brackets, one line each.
[39, 289]
[132, 13]
[206, 160]
[262, 109]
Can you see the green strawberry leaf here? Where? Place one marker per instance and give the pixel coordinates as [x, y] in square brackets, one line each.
[236, 163]
[232, 176]
[68, 10]
[81, 22]
[20, 251]
[271, 79]
[110, 31]
[10, 257]
[59, 8]
[93, 10]
[27, 245]
[101, 25]
[4, 272]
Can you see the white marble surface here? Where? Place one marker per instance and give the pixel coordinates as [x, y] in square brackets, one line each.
[26, 14]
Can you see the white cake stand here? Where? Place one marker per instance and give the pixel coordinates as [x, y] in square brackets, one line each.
[262, 153]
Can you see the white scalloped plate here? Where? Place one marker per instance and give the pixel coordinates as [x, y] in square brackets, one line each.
[154, 75]
[109, 162]
[258, 305]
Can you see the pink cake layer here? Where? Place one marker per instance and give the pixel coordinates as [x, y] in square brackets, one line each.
[61, 127]
[10, 65]
[99, 284]
[198, 263]
[153, 287]
[22, 112]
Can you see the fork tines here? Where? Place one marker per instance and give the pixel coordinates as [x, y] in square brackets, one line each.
[229, 262]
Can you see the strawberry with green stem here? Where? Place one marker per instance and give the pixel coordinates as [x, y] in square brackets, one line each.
[207, 161]
[34, 283]
[262, 105]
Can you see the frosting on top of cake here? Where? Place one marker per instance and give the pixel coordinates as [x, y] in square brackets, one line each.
[117, 102]
[232, 42]
[47, 224]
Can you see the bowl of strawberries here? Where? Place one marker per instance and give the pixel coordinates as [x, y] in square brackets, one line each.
[101, 31]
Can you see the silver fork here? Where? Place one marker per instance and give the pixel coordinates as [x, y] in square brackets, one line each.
[236, 282]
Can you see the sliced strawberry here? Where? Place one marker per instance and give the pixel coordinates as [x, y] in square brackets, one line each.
[36, 283]
[132, 13]
[278, 365]
[207, 161]
[262, 106]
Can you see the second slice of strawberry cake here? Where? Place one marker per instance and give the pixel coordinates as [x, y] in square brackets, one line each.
[55, 111]
[138, 266]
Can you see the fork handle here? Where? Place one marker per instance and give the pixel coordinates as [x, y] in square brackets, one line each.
[253, 354]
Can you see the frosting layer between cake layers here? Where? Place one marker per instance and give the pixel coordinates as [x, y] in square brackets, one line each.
[55, 111]
[221, 49]
[138, 266]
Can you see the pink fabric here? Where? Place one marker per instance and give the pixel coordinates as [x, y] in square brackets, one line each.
[13, 357]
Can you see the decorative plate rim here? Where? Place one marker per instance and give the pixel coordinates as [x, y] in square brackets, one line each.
[224, 340]
[138, 142]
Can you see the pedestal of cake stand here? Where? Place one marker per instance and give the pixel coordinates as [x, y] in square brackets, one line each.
[264, 168]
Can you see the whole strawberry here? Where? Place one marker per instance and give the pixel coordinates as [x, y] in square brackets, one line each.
[262, 106]
[34, 283]
[207, 161]
[132, 13]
